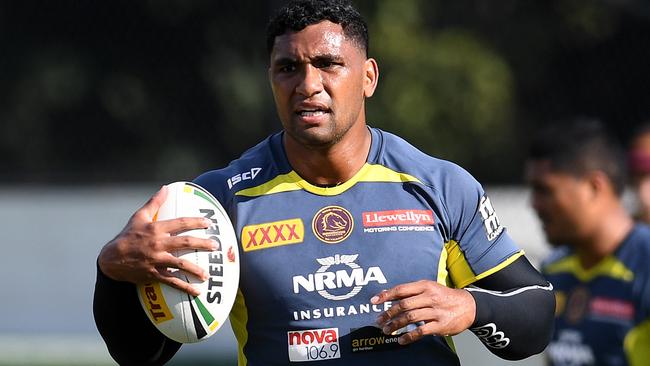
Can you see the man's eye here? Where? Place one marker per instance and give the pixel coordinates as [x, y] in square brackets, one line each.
[287, 68]
[324, 64]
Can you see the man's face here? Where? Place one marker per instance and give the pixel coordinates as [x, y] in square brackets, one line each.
[319, 80]
[562, 202]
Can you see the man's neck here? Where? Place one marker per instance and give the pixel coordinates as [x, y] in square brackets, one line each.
[617, 224]
[331, 165]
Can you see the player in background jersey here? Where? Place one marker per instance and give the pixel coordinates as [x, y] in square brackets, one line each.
[600, 265]
[639, 168]
[426, 259]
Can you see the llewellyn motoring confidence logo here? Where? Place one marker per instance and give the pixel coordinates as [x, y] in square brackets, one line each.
[332, 224]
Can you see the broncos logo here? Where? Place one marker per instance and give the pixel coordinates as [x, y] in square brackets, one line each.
[332, 224]
[332, 221]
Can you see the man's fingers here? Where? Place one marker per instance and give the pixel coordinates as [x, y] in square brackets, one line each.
[171, 261]
[182, 224]
[189, 242]
[399, 292]
[408, 317]
[150, 208]
[403, 306]
[177, 283]
[418, 333]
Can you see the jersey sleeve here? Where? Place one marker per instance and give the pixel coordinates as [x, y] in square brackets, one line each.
[637, 341]
[478, 245]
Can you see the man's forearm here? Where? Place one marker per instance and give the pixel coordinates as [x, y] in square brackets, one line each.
[129, 335]
[514, 311]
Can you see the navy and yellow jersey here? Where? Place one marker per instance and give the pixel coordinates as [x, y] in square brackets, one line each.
[602, 314]
[312, 257]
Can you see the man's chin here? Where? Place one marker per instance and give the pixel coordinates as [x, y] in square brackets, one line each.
[310, 138]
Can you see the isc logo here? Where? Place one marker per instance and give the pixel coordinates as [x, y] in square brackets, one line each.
[249, 175]
[313, 345]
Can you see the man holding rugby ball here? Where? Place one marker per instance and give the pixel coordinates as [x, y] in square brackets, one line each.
[356, 248]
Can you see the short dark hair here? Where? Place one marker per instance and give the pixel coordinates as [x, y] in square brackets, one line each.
[579, 146]
[298, 14]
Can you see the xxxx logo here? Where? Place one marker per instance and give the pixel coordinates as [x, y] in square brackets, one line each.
[272, 234]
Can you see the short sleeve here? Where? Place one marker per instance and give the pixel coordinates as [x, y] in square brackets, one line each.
[478, 244]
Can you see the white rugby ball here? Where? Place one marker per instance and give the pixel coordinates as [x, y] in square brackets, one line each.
[178, 315]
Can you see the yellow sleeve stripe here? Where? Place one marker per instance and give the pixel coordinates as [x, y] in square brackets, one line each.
[238, 321]
[637, 344]
[459, 270]
[293, 182]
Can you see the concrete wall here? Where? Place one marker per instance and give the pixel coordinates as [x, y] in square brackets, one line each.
[50, 240]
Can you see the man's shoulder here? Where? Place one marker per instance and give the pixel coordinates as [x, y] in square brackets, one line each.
[258, 164]
[398, 154]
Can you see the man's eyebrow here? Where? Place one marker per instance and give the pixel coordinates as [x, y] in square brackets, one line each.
[328, 57]
[284, 61]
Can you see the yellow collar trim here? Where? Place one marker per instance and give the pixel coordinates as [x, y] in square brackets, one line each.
[293, 182]
[608, 267]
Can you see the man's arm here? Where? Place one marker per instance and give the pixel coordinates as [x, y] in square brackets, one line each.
[511, 310]
[515, 310]
[130, 337]
[141, 253]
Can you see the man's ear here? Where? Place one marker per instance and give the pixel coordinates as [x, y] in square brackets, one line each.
[371, 77]
[600, 183]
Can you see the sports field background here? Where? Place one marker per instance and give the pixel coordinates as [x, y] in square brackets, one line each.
[51, 237]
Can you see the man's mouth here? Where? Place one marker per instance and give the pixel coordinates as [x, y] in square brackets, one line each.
[311, 112]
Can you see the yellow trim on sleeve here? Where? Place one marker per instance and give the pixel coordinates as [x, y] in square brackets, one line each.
[443, 274]
[608, 267]
[637, 344]
[459, 270]
[501, 266]
[238, 321]
[292, 182]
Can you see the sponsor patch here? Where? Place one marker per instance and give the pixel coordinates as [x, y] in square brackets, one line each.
[491, 222]
[313, 345]
[272, 234]
[612, 308]
[338, 278]
[155, 302]
[372, 339]
[332, 224]
[398, 220]
[577, 304]
[397, 217]
[569, 349]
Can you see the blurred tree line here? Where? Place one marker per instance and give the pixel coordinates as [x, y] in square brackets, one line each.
[161, 90]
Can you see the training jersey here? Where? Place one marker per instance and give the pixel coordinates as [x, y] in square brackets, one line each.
[603, 313]
[312, 257]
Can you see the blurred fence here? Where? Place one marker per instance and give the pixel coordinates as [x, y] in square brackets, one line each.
[51, 237]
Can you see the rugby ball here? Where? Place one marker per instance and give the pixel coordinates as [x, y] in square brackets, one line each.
[178, 315]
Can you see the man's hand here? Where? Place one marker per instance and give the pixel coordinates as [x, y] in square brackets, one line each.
[142, 252]
[443, 310]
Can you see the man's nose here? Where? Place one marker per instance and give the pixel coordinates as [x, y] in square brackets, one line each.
[311, 82]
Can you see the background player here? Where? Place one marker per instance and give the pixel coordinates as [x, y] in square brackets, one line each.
[600, 269]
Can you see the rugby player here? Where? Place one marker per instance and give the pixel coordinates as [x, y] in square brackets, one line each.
[356, 248]
[600, 266]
